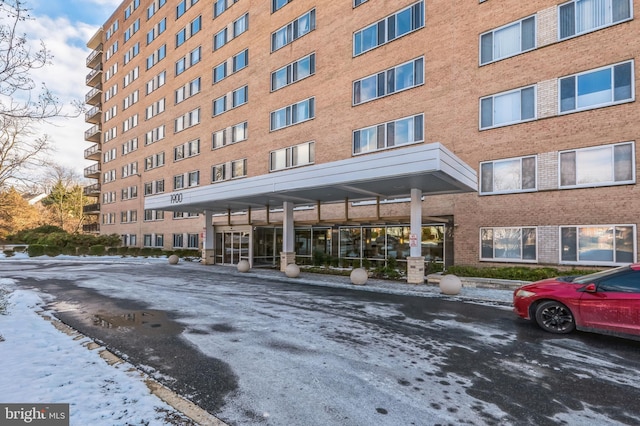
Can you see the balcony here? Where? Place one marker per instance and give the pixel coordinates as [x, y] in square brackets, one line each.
[94, 97]
[92, 172]
[93, 134]
[95, 57]
[93, 115]
[91, 228]
[91, 190]
[96, 39]
[95, 76]
[93, 153]
[91, 208]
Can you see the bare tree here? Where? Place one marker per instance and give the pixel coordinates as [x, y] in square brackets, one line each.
[22, 107]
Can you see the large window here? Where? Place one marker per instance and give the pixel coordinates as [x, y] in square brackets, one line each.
[581, 16]
[231, 170]
[402, 77]
[278, 4]
[597, 88]
[508, 244]
[293, 30]
[293, 156]
[508, 40]
[608, 244]
[293, 72]
[388, 29]
[508, 108]
[387, 135]
[598, 166]
[509, 175]
[293, 114]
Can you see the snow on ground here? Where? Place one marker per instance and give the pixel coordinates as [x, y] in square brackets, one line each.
[62, 370]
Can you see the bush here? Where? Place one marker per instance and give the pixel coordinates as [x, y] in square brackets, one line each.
[97, 250]
[69, 251]
[52, 251]
[521, 273]
[35, 250]
[112, 251]
[8, 253]
[123, 251]
[82, 251]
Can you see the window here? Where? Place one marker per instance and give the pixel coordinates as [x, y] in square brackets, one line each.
[189, 31]
[293, 156]
[219, 6]
[278, 4]
[178, 182]
[193, 179]
[602, 245]
[508, 108]
[131, 76]
[240, 25]
[130, 146]
[508, 41]
[154, 135]
[240, 96]
[598, 166]
[294, 30]
[155, 108]
[393, 80]
[388, 29]
[186, 150]
[597, 88]
[156, 82]
[188, 90]
[220, 39]
[241, 60]
[357, 3]
[155, 6]
[188, 61]
[508, 176]
[293, 72]
[220, 72]
[154, 161]
[131, 53]
[188, 120]
[230, 170]
[129, 32]
[154, 187]
[158, 29]
[178, 240]
[220, 105]
[151, 215]
[230, 135]
[192, 241]
[581, 16]
[128, 193]
[183, 6]
[131, 99]
[387, 135]
[508, 244]
[157, 56]
[293, 114]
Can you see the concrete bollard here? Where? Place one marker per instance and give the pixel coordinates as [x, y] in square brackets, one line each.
[243, 266]
[450, 284]
[173, 259]
[292, 270]
[359, 276]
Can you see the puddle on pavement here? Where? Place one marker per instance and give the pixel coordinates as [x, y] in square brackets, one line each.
[146, 321]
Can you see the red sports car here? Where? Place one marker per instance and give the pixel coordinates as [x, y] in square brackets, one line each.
[606, 302]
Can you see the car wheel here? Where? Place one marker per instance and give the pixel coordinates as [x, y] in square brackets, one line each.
[555, 317]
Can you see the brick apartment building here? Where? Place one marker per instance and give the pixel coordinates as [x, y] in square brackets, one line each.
[475, 132]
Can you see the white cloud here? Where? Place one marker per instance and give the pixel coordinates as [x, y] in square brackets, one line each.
[65, 77]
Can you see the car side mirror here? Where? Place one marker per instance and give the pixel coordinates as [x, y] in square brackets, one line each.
[590, 288]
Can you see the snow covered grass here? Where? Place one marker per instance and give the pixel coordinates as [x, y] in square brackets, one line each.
[43, 365]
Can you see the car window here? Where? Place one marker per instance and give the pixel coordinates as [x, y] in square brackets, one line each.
[626, 283]
[587, 279]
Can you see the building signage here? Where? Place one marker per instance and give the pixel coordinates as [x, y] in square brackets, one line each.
[176, 198]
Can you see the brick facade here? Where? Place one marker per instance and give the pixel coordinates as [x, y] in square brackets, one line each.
[454, 84]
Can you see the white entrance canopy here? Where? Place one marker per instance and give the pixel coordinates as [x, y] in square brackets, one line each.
[431, 168]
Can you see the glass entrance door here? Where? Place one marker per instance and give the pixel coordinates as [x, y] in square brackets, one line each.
[231, 247]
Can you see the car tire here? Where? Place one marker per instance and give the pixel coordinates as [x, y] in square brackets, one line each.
[555, 317]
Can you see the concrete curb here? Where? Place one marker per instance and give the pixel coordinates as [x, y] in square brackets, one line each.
[184, 406]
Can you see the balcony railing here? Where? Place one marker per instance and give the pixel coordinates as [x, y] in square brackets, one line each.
[94, 96]
[91, 208]
[93, 134]
[92, 190]
[93, 153]
[92, 75]
[92, 228]
[92, 171]
[93, 55]
[91, 116]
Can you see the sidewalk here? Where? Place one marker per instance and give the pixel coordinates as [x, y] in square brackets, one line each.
[483, 290]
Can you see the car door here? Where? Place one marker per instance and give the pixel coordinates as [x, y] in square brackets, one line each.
[614, 305]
